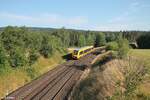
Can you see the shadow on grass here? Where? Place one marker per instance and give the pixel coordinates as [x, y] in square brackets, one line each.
[103, 61]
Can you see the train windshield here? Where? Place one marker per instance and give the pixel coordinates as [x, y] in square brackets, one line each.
[75, 52]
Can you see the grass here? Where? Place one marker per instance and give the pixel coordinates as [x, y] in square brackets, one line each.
[48, 64]
[11, 81]
[20, 76]
[144, 55]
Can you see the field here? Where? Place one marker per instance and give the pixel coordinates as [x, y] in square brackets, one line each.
[141, 53]
[144, 56]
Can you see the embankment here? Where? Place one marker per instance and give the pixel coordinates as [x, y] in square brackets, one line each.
[116, 80]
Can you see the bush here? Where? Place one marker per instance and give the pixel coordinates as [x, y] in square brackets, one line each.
[33, 57]
[17, 58]
[123, 48]
[46, 48]
[31, 72]
[4, 66]
[114, 54]
[100, 40]
[112, 46]
[3, 58]
[120, 47]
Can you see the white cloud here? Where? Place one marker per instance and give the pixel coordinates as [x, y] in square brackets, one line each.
[121, 27]
[44, 19]
[110, 27]
[14, 16]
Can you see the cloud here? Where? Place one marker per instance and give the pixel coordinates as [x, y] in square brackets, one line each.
[44, 19]
[14, 16]
[111, 27]
[122, 27]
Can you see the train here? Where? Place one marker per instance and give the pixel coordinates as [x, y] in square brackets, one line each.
[80, 52]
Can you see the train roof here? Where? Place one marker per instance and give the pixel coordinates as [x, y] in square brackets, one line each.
[83, 48]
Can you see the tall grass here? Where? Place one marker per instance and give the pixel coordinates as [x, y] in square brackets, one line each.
[118, 80]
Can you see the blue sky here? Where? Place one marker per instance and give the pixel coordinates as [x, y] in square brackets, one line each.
[111, 15]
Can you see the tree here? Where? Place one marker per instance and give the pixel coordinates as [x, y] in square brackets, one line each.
[112, 46]
[100, 40]
[110, 37]
[17, 58]
[13, 36]
[82, 41]
[143, 41]
[46, 48]
[33, 56]
[3, 58]
[90, 39]
[123, 47]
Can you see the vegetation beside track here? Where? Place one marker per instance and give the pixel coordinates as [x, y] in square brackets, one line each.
[20, 76]
[126, 79]
[143, 89]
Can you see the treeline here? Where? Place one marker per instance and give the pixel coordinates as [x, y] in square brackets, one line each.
[144, 41]
[140, 37]
[21, 46]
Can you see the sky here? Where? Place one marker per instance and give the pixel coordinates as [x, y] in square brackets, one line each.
[100, 15]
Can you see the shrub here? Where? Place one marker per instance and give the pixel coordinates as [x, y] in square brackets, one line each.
[112, 46]
[46, 48]
[33, 57]
[123, 48]
[17, 58]
[31, 72]
[3, 58]
[4, 66]
[100, 40]
[120, 47]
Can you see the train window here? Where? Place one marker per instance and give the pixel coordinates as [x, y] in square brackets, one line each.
[81, 52]
[85, 51]
[75, 52]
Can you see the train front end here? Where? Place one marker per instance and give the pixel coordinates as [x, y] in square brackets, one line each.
[75, 54]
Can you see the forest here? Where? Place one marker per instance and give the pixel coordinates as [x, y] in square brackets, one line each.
[21, 46]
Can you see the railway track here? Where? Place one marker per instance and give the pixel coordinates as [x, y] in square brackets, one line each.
[55, 84]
